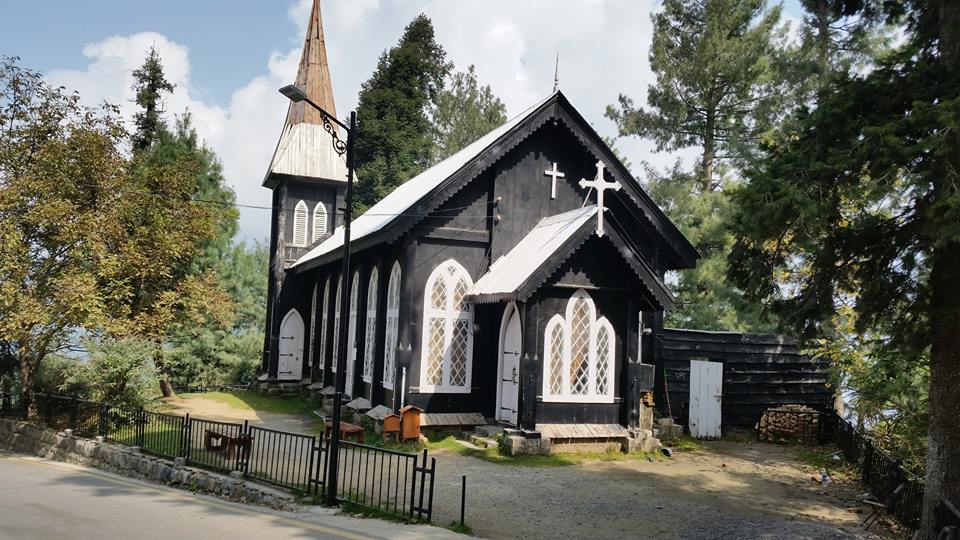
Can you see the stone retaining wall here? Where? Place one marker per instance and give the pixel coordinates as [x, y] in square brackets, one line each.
[27, 438]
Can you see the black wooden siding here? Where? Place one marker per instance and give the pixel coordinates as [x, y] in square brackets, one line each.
[759, 371]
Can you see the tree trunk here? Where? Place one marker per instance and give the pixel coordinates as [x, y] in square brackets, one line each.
[166, 388]
[27, 402]
[823, 43]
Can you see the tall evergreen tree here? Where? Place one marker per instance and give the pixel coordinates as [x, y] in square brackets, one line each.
[149, 86]
[855, 206]
[712, 59]
[464, 111]
[394, 134]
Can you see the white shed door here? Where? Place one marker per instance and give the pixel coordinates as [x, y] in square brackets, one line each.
[706, 392]
[510, 369]
[290, 361]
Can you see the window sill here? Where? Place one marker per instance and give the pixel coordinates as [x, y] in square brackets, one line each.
[441, 390]
[600, 400]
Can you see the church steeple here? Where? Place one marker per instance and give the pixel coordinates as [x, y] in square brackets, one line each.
[313, 75]
[304, 151]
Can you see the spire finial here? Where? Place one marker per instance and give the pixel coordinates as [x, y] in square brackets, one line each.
[556, 74]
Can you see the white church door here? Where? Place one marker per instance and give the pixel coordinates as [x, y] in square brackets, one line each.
[706, 384]
[290, 361]
[510, 347]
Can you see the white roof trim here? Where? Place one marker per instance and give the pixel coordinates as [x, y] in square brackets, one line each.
[512, 270]
[406, 195]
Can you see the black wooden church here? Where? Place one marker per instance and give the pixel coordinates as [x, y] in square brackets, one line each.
[521, 279]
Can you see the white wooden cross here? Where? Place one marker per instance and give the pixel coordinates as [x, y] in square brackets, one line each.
[555, 173]
[600, 185]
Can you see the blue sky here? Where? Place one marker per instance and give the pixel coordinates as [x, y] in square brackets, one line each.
[228, 57]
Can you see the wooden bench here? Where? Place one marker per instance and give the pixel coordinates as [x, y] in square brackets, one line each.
[346, 430]
[214, 441]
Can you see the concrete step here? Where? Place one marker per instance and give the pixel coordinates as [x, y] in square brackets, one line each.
[483, 442]
[488, 431]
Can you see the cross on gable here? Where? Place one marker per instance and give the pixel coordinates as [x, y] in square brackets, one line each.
[555, 173]
[600, 185]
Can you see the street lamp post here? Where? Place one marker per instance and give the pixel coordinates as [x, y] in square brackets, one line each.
[330, 124]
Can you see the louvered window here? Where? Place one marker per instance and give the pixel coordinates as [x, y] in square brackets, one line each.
[579, 354]
[447, 345]
[319, 221]
[300, 224]
[370, 333]
[393, 327]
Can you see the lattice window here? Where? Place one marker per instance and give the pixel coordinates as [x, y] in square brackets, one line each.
[322, 351]
[447, 355]
[336, 326]
[393, 327]
[579, 354]
[352, 333]
[319, 221]
[300, 224]
[370, 333]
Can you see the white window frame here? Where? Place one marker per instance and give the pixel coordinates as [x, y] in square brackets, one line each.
[323, 324]
[300, 217]
[319, 221]
[370, 331]
[443, 271]
[336, 325]
[592, 395]
[352, 334]
[392, 333]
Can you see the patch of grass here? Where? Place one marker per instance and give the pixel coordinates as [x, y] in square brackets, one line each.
[688, 444]
[492, 455]
[256, 401]
[355, 509]
[821, 457]
[458, 528]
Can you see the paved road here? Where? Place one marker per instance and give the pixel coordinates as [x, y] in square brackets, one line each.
[48, 500]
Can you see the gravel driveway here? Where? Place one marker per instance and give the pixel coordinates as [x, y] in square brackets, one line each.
[728, 490]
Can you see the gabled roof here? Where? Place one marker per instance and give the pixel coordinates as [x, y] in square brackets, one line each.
[510, 272]
[304, 147]
[409, 202]
[530, 263]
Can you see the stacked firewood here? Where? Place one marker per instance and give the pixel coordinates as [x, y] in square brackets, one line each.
[789, 424]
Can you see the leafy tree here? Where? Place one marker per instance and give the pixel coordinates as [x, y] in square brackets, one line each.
[715, 79]
[394, 134]
[149, 85]
[857, 204]
[60, 172]
[118, 372]
[464, 111]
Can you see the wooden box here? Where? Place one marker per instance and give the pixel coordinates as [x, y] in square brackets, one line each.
[391, 426]
[410, 422]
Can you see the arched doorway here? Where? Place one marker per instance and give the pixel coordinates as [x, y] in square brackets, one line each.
[290, 361]
[508, 389]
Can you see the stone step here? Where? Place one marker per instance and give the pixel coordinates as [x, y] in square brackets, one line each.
[483, 442]
[488, 431]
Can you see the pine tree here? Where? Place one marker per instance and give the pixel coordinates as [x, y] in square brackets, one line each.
[394, 133]
[464, 111]
[149, 85]
[713, 62]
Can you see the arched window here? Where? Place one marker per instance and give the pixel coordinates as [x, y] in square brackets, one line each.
[447, 346]
[323, 324]
[300, 224]
[336, 325]
[578, 351]
[319, 221]
[370, 334]
[352, 334]
[393, 327]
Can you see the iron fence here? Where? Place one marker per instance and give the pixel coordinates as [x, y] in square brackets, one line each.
[948, 521]
[389, 481]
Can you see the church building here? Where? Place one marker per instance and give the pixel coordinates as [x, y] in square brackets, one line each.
[520, 280]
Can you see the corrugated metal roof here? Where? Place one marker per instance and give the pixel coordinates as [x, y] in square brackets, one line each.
[511, 271]
[409, 193]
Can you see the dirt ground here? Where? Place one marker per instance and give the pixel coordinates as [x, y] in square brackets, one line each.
[727, 490]
[305, 424]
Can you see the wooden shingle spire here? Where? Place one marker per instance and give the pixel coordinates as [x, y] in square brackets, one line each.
[313, 75]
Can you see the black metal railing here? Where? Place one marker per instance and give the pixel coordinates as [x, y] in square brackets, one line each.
[389, 481]
[948, 521]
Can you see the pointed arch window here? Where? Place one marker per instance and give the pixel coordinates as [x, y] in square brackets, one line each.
[313, 327]
[300, 224]
[393, 327]
[447, 345]
[370, 333]
[352, 334]
[323, 324]
[319, 221]
[579, 354]
[336, 326]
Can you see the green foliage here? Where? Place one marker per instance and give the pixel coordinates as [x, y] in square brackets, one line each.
[117, 371]
[394, 134]
[715, 79]
[149, 86]
[463, 112]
